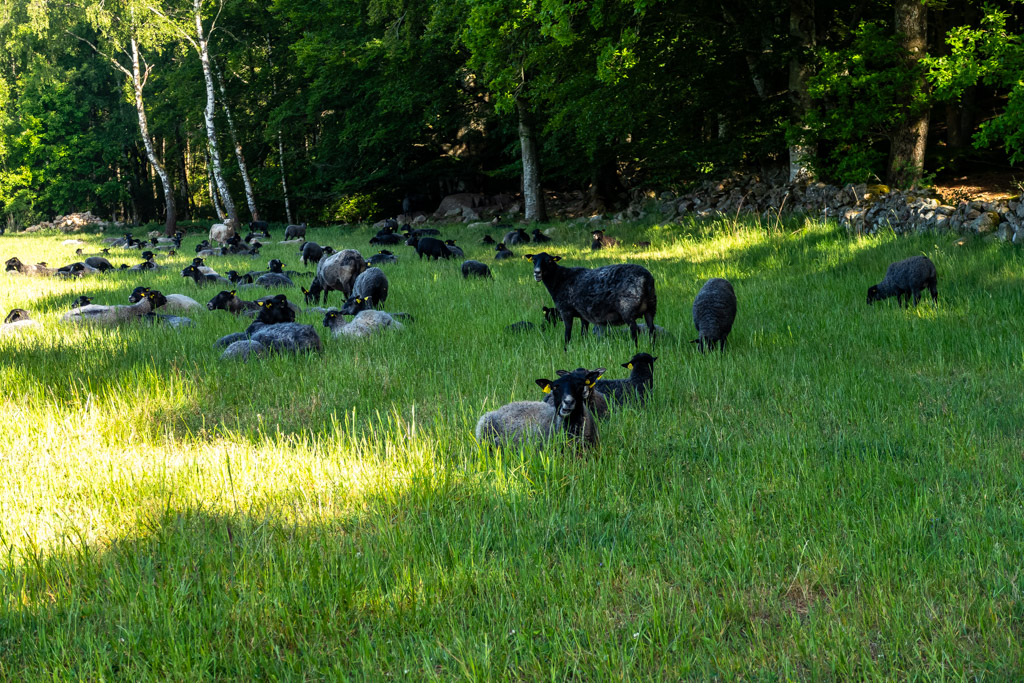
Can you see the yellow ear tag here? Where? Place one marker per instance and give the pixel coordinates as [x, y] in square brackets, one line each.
[261, 303]
[629, 366]
[547, 389]
[233, 292]
[588, 383]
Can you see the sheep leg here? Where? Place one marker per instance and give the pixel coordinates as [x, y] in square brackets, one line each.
[935, 291]
[634, 333]
[585, 324]
[568, 329]
[649, 319]
[917, 297]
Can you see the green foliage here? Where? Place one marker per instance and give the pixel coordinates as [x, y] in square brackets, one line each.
[861, 95]
[352, 209]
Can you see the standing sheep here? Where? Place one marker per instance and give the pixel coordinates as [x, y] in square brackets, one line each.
[905, 278]
[610, 295]
[337, 272]
[295, 231]
[219, 232]
[714, 311]
[372, 283]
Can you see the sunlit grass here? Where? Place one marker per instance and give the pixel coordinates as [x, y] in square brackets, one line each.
[837, 496]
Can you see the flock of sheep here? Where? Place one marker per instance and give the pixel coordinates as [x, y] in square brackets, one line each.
[613, 295]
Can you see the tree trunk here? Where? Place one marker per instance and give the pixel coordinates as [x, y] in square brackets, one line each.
[214, 196]
[906, 156]
[802, 29]
[250, 196]
[533, 196]
[284, 182]
[202, 41]
[170, 218]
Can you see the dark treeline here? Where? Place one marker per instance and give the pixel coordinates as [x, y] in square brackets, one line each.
[337, 110]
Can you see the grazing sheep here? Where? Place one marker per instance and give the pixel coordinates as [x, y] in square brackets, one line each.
[905, 278]
[597, 404]
[34, 270]
[383, 256]
[536, 421]
[386, 239]
[200, 277]
[456, 251]
[604, 330]
[550, 320]
[175, 302]
[539, 236]
[293, 231]
[16, 321]
[517, 236]
[313, 252]
[714, 311]
[601, 240]
[433, 248]
[636, 387]
[487, 240]
[267, 339]
[372, 283]
[610, 295]
[502, 252]
[336, 273]
[475, 268]
[219, 232]
[116, 314]
[363, 325]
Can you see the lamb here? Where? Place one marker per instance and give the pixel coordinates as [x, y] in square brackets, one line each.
[267, 339]
[383, 256]
[230, 302]
[175, 302]
[714, 311]
[272, 279]
[539, 236]
[99, 263]
[372, 283]
[116, 314]
[502, 252]
[363, 325]
[610, 295]
[293, 231]
[475, 268]
[355, 305]
[32, 270]
[550, 318]
[905, 278]
[312, 253]
[82, 300]
[596, 402]
[517, 236]
[276, 309]
[16, 321]
[487, 240]
[529, 421]
[386, 239]
[636, 387]
[601, 241]
[336, 272]
[237, 279]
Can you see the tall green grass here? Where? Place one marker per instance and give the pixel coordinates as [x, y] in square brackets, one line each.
[837, 496]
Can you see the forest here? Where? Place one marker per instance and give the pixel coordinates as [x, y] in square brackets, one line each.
[341, 110]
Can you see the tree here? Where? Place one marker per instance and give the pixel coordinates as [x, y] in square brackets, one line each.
[906, 156]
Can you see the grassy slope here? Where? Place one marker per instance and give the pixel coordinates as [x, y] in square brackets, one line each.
[839, 494]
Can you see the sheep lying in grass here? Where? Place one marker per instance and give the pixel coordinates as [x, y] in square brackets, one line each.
[636, 387]
[517, 236]
[108, 315]
[611, 295]
[602, 241]
[501, 252]
[264, 340]
[201, 278]
[535, 421]
[363, 325]
[355, 305]
[907, 278]
[14, 265]
[550, 320]
[381, 257]
[16, 321]
[475, 268]
[714, 311]
[596, 401]
[175, 302]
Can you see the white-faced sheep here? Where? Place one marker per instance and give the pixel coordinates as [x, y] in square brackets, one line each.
[907, 278]
[535, 421]
[610, 295]
[714, 311]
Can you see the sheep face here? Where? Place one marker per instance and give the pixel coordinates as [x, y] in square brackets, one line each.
[640, 360]
[331, 317]
[275, 266]
[81, 301]
[355, 304]
[543, 264]
[221, 301]
[275, 310]
[873, 294]
[156, 299]
[137, 294]
[192, 272]
[16, 315]
[13, 264]
[570, 390]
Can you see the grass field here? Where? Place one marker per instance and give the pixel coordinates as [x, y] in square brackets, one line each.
[837, 496]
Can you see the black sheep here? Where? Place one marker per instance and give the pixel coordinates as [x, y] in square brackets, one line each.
[237, 279]
[636, 386]
[383, 256]
[311, 253]
[517, 236]
[487, 240]
[199, 277]
[475, 268]
[259, 226]
[455, 250]
[433, 248]
[501, 252]
[275, 310]
[550, 319]
[611, 295]
[539, 236]
[99, 263]
[601, 240]
[907, 278]
[372, 283]
[714, 311]
[81, 301]
[386, 239]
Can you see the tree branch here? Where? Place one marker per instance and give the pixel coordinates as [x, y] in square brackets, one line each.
[113, 61]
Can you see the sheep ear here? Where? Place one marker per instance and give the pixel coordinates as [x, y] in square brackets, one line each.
[593, 376]
[261, 304]
[545, 385]
[561, 373]
[556, 258]
[528, 257]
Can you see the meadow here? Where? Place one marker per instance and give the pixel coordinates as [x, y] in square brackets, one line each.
[837, 496]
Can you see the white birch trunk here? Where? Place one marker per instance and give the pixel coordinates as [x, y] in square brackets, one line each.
[214, 196]
[284, 182]
[208, 114]
[250, 196]
[533, 196]
[170, 220]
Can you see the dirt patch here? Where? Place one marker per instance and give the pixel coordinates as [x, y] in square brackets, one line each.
[985, 187]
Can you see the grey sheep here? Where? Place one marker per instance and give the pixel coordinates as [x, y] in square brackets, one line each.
[363, 325]
[32, 269]
[636, 387]
[278, 338]
[905, 278]
[517, 236]
[372, 283]
[536, 421]
[337, 272]
[476, 268]
[610, 295]
[271, 280]
[294, 231]
[16, 321]
[115, 314]
[383, 256]
[714, 311]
